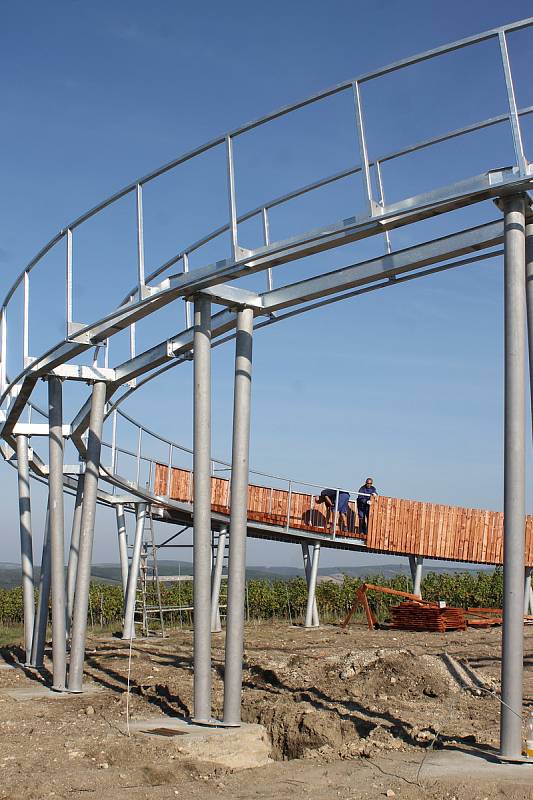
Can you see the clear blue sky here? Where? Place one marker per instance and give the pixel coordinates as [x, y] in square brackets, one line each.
[404, 384]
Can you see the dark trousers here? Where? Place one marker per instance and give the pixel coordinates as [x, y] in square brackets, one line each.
[362, 512]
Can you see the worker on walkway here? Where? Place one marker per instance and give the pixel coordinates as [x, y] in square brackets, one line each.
[329, 497]
[364, 499]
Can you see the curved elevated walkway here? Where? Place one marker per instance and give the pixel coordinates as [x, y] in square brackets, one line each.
[396, 526]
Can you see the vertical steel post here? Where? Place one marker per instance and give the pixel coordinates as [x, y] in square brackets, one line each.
[527, 589]
[187, 303]
[26, 543]
[74, 551]
[363, 154]
[217, 580]
[513, 111]
[83, 578]
[514, 479]
[122, 545]
[311, 594]
[202, 509]
[238, 517]
[529, 311]
[418, 563]
[307, 572]
[128, 631]
[235, 250]
[57, 532]
[41, 617]
[140, 240]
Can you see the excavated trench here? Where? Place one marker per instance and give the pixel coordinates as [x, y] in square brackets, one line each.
[357, 705]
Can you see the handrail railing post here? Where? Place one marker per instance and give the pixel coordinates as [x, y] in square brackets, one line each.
[289, 505]
[231, 199]
[336, 515]
[513, 112]
[266, 240]
[139, 445]
[68, 282]
[114, 453]
[140, 240]
[25, 319]
[3, 348]
[188, 321]
[382, 203]
[365, 167]
[169, 473]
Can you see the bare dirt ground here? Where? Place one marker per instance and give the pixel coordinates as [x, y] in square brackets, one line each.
[350, 714]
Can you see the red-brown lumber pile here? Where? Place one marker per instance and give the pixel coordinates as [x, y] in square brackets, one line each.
[415, 617]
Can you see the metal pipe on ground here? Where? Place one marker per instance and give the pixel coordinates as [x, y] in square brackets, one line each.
[216, 625]
[74, 550]
[514, 478]
[128, 631]
[307, 572]
[57, 532]
[83, 577]
[238, 517]
[26, 542]
[311, 594]
[122, 545]
[202, 509]
[41, 616]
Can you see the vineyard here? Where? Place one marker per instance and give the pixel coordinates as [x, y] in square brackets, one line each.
[267, 600]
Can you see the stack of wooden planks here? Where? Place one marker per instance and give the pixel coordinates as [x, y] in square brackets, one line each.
[412, 616]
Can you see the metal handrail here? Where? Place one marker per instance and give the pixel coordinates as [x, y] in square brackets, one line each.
[495, 33]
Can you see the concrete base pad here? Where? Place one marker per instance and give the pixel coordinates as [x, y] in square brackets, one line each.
[235, 748]
[40, 691]
[475, 765]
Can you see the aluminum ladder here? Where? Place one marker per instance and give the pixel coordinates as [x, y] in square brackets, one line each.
[148, 605]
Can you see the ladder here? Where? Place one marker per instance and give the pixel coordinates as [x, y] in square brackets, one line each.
[148, 606]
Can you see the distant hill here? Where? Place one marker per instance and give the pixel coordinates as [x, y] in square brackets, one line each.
[110, 573]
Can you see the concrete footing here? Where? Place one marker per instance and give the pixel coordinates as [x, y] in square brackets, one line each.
[474, 765]
[235, 748]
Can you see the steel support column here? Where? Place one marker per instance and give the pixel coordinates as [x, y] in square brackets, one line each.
[529, 310]
[238, 517]
[26, 542]
[128, 631]
[416, 566]
[216, 625]
[311, 594]
[57, 532]
[514, 479]
[122, 546]
[41, 616]
[307, 571]
[202, 509]
[74, 551]
[83, 578]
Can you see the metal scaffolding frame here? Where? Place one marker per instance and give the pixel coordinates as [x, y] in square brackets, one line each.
[246, 311]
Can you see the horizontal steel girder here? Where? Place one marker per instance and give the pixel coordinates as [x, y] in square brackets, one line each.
[410, 259]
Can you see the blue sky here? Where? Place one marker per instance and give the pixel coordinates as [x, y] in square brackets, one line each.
[404, 384]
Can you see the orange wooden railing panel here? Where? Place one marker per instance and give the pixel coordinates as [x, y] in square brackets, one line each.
[438, 531]
[265, 504]
[406, 527]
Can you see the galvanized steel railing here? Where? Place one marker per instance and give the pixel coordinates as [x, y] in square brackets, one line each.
[370, 171]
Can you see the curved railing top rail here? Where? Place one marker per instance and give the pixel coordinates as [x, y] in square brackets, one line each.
[375, 206]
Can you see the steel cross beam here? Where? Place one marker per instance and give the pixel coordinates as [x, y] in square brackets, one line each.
[388, 266]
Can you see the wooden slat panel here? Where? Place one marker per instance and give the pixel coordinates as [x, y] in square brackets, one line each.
[395, 525]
